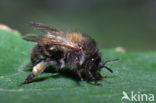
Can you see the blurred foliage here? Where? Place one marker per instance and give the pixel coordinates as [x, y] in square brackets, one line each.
[127, 23]
[135, 71]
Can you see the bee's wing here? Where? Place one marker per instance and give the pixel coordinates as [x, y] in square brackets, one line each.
[46, 29]
[53, 40]
[32, 38]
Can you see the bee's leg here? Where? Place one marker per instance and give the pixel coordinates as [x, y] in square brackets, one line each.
[37, 69]
[99, 75]
[78, 70]
[27, 80]
[90, 74]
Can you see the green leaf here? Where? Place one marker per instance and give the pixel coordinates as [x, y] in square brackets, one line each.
[135, 72]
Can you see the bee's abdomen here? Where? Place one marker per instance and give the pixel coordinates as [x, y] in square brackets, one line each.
[45, 53]
[37, 54]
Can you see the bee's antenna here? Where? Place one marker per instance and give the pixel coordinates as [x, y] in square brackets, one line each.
[108, 69]
[110, 61]
[103, 64]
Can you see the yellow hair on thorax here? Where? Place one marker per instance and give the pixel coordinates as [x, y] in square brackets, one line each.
[75, 37]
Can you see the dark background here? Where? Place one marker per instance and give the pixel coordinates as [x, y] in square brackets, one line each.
[127, 23]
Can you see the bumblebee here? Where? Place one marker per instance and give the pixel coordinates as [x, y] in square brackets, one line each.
[64, 49]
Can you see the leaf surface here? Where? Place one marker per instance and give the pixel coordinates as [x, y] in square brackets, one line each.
[135, 72]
